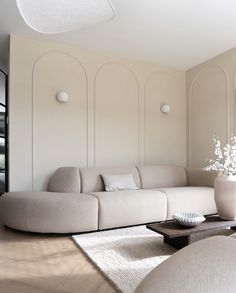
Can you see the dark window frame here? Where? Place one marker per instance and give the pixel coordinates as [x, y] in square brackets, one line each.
[6, 132]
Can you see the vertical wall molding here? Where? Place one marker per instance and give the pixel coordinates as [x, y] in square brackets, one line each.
[189, 104]
[234, 103]
[34, 66]
[95, 105]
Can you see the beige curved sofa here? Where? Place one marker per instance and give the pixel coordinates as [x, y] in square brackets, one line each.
[76, 200]
[207, 266]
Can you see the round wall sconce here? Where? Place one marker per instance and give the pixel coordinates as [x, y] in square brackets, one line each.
[62, 97]
[165, 108]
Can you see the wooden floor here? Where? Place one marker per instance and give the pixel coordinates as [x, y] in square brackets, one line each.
[32, 263]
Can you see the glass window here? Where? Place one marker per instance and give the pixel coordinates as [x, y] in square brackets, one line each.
[3, 132]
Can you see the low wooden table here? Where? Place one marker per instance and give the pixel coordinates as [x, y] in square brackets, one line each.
[180, 236]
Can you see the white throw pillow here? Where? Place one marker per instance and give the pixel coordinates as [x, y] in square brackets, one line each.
[119, 182]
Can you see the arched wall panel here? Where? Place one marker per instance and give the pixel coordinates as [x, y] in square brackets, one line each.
[208, 113]
[116, 116]
[59, 129]
[164, 132]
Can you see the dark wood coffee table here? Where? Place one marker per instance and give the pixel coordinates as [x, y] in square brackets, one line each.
[180, 236]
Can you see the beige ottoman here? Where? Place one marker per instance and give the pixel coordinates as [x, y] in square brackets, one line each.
[206, 266]
[49, 212]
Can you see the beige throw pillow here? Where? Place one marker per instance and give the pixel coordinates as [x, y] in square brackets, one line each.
[119, 182]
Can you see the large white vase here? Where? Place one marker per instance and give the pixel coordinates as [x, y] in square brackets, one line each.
[225, 196]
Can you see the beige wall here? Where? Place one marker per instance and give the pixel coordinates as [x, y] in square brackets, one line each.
[112, 118]
[211, 102]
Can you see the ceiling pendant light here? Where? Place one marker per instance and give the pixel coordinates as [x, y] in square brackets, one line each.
[58, 16]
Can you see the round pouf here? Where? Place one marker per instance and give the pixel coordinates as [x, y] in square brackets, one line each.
[49, 212]
[207, 266]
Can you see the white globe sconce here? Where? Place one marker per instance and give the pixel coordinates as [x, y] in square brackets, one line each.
[62, 97]
[165, 108]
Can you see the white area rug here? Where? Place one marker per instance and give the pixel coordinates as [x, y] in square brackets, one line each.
[125, 256]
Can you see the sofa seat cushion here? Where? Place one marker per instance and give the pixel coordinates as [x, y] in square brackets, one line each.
[130, 207]
[48, 212]
[189, 199]
[205, 266]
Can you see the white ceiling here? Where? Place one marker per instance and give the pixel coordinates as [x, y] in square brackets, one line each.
[176, 33]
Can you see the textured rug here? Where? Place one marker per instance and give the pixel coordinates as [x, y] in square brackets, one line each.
[125, 256]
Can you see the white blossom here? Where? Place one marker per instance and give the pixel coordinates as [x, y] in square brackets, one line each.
[225, 159]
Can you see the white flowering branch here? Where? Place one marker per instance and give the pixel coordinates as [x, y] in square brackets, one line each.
[224, 161]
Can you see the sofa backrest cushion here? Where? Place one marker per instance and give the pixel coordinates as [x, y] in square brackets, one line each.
[91, 179]
[65, 179]
[162, 176]
[200, 177]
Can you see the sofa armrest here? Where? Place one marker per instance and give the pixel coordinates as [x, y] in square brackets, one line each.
[50, 212]
[199, 177]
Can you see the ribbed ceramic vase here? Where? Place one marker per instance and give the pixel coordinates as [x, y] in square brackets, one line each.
[225, 197]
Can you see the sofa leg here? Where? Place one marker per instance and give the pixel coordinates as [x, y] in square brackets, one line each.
[177, 242]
